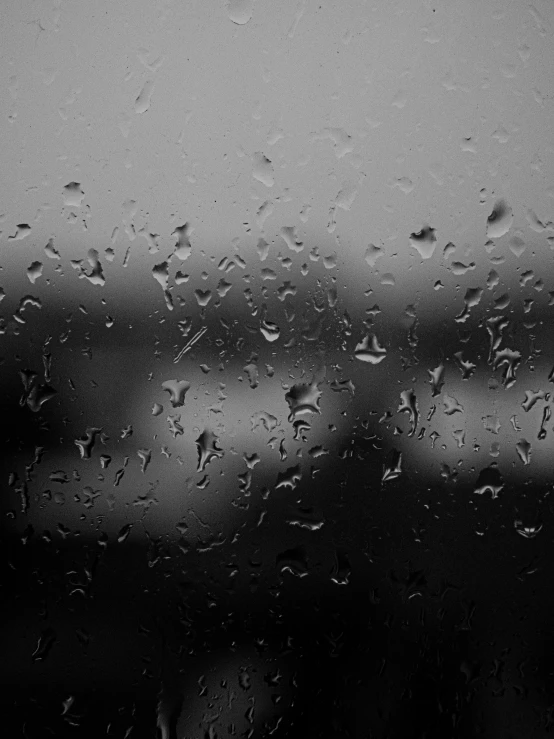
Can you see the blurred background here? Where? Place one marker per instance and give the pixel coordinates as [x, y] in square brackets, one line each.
[276, 356]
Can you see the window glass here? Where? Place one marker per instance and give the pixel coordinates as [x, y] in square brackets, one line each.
[276, 355]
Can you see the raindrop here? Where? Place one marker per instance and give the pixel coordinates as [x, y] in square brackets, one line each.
[240, 11]
[124, 533]
[142, 102]
[262, 247]
[45, 643]
[145, 456]
[528, 532]
[369, 350]
[289, 478]
[183, 248]
[34, 271]
[252, 373]
[264, 420]
[436, 380]
[342, 570]
[22, 231]
[303, 399]
[177, 390]
[86, 444]
[500, 220]
[294, 561]
[288, 234]
[175, 427]
[532, 397]
[523, 448]
[491, 423]
[408, 404]
[517, 245]
[270, 330]
[393, 468]
[263, 169]
[203, 297]
[208, 450]
[451, 405]
[545, 418]
[50, 251]
[223, 287]
[73, 195]
[424, 242]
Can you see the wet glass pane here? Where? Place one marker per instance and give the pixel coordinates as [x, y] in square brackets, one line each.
[277, 366]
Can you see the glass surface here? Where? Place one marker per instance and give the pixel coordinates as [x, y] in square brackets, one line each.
[277, 365]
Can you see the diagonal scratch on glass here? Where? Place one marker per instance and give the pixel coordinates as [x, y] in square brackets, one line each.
[198, 335]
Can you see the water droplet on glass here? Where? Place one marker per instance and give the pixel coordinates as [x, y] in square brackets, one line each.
[183, 248]
[240, 11]
[289, 478]
[528, 532]
[393, 468]
[262, 169]
[288, 234]
[369, 350]
[293, 561]
[408, 404]
[124, 533]
[142, 102]
[489, 480]
[424, 242]
[303, 399]
[523, 448]
[203, 297]
[34, 271]
[270, 330]
[22, 230]
[451, 405]
[436, 380]
[208, 450]
[500, 220]
[45, 643]
[177, 390]
[86, 444]
[73, 195]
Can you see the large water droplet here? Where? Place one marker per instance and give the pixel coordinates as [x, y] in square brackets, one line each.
[22, 231]
[288, 234]
[528, 532]
[73, 195]
[369, 350]
[436, 380]
[289, 478]
[34, 271]
[523, 448]
[240, 11]
[303, 399]
[294, 561]
[489, 480]
[177, 390]
[270, 330]
[393, 468]
[183, 247]
[500, 220]
[424, 242]
[262, 169]
[408, 404]
[207, 449]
